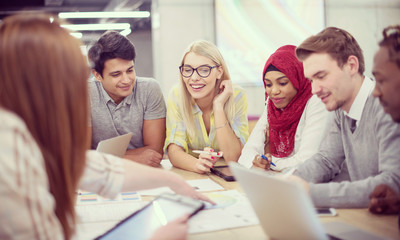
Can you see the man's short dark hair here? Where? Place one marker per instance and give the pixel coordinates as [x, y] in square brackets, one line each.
[391, 40]
[109, 46]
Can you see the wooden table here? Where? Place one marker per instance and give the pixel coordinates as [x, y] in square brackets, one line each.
[384, 225]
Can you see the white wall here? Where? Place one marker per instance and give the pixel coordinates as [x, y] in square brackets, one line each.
[144, 63]
[365, 20]
[176, 23]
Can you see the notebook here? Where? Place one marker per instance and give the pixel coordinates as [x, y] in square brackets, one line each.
[286, 212]
[116, 146]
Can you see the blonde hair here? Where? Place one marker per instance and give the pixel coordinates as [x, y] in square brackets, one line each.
[209, 50]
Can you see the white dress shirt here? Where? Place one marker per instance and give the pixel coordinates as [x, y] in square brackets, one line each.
[357, 107]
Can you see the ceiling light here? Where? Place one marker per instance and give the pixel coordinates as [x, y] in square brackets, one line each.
[95, 27]
[76, 34]
[135, 14]
[125, 32]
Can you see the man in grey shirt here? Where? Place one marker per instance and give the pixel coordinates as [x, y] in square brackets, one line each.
[121, 102]
[361, 148]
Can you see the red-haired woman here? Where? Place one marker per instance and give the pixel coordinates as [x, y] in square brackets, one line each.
[44, 136]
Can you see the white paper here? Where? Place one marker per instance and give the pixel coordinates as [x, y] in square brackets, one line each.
[107, 211]
[232, 210]
[91, 207]
[155, 191]
[205, 185]
[201, 185]
[97, 214]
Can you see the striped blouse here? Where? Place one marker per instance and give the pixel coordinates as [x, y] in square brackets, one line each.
[26, 204]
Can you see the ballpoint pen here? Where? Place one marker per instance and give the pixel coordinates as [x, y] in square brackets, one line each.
[265, 158]
[214, 154]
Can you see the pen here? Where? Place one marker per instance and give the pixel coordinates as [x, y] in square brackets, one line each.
[214, 154]
[265, 158]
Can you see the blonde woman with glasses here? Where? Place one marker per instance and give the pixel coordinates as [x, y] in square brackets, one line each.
[205, 112]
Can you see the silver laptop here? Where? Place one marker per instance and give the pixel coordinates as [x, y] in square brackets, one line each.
[116, 146]
[286, 212]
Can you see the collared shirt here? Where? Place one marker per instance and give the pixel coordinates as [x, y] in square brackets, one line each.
[108, 119]
[111, 105]
[27, 206]
[357, 107]
[176, 129]
[349, 164]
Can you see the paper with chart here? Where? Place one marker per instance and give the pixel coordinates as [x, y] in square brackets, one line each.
[232, 210]
[91, 207]
[97, 214]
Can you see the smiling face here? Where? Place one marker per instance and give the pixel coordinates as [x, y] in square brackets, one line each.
[330, 83]
[279, 88]
[201, 88]
[118, 78]
[387, 87]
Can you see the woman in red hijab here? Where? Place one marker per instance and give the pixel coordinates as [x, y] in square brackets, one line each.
[293, 122]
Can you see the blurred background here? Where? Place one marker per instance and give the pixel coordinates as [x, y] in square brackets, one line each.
[246, 31]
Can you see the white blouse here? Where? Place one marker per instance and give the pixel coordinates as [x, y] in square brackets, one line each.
[311, 129]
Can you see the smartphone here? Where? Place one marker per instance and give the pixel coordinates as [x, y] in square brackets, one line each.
[326, 212]
[223, 172]
[144, 222]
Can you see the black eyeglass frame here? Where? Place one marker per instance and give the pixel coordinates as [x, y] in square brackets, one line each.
[195, 69]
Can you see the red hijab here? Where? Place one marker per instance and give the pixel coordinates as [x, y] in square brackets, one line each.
[283, 122]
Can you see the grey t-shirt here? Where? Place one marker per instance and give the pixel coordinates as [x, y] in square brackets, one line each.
[108, 120]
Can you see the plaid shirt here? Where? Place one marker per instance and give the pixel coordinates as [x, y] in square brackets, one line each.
[26, 204]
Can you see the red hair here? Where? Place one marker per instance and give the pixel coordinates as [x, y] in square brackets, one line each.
[44, 81]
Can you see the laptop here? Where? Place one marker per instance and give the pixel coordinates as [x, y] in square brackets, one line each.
[116, 146]
[285, 211]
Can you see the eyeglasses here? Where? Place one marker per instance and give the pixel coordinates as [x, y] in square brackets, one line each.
[203, 71]
[393, 32]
